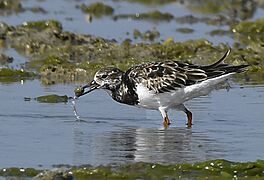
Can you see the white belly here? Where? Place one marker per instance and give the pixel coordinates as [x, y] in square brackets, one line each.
[148, 99]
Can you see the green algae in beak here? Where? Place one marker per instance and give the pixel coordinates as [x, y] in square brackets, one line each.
[80, 90]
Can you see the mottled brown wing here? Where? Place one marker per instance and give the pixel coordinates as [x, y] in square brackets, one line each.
[166, 76]
[171, 75]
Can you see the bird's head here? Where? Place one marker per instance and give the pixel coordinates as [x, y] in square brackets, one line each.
[107, 78]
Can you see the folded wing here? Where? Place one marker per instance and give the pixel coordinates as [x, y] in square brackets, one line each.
[171, 75]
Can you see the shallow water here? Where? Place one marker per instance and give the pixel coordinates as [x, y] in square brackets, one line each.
[227, 125]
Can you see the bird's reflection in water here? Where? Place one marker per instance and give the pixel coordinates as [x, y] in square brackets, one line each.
[174, 145]
[162, 145]
[122, 145]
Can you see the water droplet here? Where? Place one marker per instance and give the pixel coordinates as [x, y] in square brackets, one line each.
[74, 107]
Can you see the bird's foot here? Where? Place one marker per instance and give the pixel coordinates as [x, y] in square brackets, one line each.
[189, 125]
[189, 117]
[166, 122]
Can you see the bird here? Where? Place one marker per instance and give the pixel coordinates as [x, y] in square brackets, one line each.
[162, 85]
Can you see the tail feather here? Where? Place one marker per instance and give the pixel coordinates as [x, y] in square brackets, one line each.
[219, 68]
[219, 61]
[236, 69]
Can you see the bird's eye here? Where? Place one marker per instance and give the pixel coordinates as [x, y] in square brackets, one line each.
[104, 76]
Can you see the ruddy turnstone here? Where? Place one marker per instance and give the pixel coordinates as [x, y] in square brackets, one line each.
[162, 85]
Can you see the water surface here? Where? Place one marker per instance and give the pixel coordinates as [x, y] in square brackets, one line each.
[227, 125]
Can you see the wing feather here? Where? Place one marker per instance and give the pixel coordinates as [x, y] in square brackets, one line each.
[172, 75]
[165, 76]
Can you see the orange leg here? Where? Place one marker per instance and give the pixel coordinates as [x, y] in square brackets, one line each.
[166, 121]
[188, 113]
[189, 117]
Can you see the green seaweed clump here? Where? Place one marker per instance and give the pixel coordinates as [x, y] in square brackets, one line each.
[150, 16]
[252, 56]
[185, 30]
[250, 48]
[214, 20]
[55, 68]
[237, 10]
[18, 172]
[53, 98]
[42, 25]
[219, 32]
[213, 169]
[151, 2]
[250, 32]
[97, 9]
[157, 15]
[150, 35]
[5, 72]
[12, 75]
[58, 174]
[8, 7]
[61, 57]
[54, 54]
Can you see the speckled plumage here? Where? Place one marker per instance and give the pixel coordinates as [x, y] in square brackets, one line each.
[163, 85]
